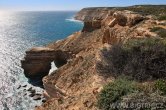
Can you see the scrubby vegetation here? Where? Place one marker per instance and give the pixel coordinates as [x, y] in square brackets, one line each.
[161, 85]
[143, 101]
[155, 29]
[162, 17]
[144, 62]
[114, 92]
[158, 10]
[140, 59]
[160, 31]
[124, 94]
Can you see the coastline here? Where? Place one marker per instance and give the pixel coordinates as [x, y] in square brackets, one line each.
[78, 80]
[72, 19]
[21, 31]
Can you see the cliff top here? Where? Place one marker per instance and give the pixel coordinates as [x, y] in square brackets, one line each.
[159, 11]
[149, 9]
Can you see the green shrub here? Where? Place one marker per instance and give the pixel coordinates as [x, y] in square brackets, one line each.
[114, 91]
[144, 101]
[123, 93]
[160, 31]
[140, 59]
[161, 85]
[154, 29]
[156, 10]
[162, 17]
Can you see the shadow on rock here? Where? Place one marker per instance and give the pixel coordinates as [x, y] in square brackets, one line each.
[36, 81]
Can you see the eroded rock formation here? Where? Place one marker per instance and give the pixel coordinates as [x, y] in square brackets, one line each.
[92, 18]
[95, 18]
[37, 61]
[77, 82]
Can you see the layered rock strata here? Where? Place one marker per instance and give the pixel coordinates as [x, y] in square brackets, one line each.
[75, 85]
[37, 61]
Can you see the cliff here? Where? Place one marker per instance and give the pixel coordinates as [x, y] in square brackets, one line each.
[37, 62]
[77, 81]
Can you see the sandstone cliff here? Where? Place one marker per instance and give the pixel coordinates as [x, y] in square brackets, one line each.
[75, 84]
[37, 62]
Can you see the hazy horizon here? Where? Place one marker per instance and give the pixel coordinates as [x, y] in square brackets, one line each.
[70, 5]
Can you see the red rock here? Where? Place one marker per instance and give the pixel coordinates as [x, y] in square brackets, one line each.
[37, 61]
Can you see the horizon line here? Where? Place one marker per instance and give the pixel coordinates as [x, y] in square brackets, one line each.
[37, 10]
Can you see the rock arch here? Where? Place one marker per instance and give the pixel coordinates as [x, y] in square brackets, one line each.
[37, 61]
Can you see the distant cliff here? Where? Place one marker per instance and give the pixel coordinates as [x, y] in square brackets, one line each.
[88, 14]
[77, 82]
[101, 12]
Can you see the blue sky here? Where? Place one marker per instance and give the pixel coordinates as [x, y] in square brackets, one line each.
[68, 4]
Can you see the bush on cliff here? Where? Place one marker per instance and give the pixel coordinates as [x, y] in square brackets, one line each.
[143, 101]
[160, 31]
[155, 29]
[140, 59]
[151, 96]
[161, 85]
[124, 94]
[162, 17]
[114, 91]
[157, 10]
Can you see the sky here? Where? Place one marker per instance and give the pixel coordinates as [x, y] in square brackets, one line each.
[47, 5]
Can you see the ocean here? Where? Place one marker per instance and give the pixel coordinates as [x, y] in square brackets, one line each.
[20, 31]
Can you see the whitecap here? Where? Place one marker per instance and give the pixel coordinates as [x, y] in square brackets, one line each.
[73, 20]
[8, 95]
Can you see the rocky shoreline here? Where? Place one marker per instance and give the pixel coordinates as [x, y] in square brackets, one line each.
[32, 92]
[76, 82]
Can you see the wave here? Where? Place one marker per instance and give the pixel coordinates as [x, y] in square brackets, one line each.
[74, 20]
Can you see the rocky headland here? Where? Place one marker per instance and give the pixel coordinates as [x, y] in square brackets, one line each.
[79, 79]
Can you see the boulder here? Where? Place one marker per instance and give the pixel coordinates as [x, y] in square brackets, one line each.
[30, 89]
[19, 87]
[32, 94]
[127, 18]
[24, 85]
[120, 18]
[44, 100]
[33, 91]
[37, 97]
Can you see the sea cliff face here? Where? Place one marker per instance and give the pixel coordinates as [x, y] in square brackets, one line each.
[76, 83]
[92, 17]
[37, 61]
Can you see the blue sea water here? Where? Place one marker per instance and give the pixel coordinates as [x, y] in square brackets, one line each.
[20, 31]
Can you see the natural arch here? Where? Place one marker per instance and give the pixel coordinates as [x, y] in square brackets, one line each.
[37, 61]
